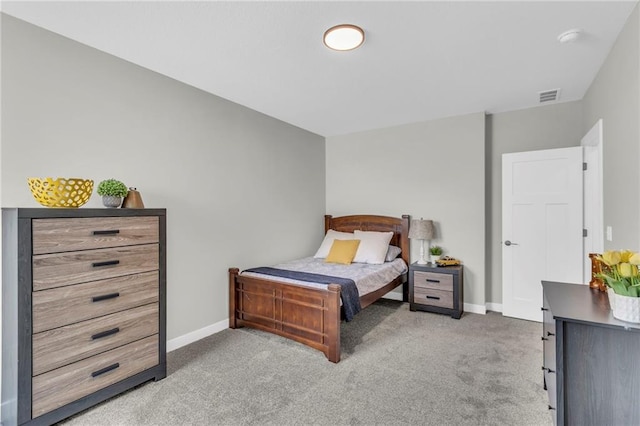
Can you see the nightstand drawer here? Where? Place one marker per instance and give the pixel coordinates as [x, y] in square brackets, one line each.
[63, 269]
[64, 385]
[433, 280]
[68, 305]
[71, 234]
[56, 348]
[441, 298]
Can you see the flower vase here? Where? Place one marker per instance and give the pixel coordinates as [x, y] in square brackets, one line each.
[624, 308]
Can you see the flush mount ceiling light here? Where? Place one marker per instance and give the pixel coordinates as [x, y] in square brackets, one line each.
[344, 37]
[570, 36]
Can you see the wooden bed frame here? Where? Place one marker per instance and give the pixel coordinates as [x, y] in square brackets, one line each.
[310, 315]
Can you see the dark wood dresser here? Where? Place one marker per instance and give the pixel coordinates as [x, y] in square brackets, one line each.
[83, 308]
[590, 358]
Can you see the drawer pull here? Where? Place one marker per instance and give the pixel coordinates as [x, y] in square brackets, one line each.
[550, 333]
[548, 370]
[105, 370]
[107, 232]
[544, 338]
[107, 263]
[432, 281]
[551, 408]
[543, 309]
[105, 297]
[433, 297]
[105, 333]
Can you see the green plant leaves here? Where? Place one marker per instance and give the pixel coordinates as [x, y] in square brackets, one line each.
[113, 188]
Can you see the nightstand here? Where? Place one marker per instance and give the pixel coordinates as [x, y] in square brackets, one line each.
[436, 289]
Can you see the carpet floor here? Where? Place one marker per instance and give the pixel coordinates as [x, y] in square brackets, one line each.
[397, 368]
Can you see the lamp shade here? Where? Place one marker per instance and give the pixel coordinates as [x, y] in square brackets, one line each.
[422, 229]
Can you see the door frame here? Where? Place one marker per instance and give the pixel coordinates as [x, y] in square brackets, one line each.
[593, 187]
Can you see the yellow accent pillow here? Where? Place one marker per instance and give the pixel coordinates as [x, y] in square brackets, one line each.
[342, 251]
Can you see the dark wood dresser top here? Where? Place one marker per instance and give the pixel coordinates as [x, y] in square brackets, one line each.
[579, 303]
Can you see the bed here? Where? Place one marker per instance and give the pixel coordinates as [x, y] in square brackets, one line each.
[306, 314]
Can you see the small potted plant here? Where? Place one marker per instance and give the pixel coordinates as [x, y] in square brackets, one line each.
[435, 253]
[112, 192]
[620, 273]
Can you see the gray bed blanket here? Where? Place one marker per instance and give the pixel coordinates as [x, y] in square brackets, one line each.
[348, 290]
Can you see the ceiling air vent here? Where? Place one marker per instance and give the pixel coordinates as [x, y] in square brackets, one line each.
[549, 95]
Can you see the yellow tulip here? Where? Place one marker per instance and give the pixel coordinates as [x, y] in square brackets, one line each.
[625, 270]
[625, 255]
[611, 257]
[635, 259]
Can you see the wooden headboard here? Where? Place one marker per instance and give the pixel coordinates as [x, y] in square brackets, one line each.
[362, 222]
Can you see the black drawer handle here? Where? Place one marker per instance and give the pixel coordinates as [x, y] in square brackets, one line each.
[107, 263]
[551, 408]
[544, 338]
[105, 370]
[550, 333]
[105, 297]
[107, 232]
[548, 370]
[432, 281]
[105, 333]
[543, 309]
[433, 297]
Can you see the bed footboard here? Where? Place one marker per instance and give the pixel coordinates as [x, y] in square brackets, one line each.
[307, 315]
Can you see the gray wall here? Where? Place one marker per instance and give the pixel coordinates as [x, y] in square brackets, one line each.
[433, 169]
[532, 129]
[614, 96]
[240, 188]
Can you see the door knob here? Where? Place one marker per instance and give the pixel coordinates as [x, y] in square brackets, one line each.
[509, 243]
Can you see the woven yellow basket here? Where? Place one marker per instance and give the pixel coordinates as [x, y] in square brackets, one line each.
[61, 192]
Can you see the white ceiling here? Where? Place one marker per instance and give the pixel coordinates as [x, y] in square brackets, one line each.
[420, 60]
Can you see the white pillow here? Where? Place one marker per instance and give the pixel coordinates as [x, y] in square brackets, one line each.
[373, 246]
[392, 253]
[331, 235]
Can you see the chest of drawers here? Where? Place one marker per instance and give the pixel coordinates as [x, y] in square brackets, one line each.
[84, 308]
[436, 289]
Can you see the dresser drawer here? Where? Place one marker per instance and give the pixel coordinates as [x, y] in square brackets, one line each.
[63, 269]
[56, 348]
[441, 298]
[433, 280]
[71, 304]
[71, 234]
[67, 384]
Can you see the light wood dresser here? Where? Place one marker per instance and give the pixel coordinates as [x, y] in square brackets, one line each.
[83, 308]
[436, 289]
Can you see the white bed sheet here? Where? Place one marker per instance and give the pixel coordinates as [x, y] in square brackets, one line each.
[367, 277]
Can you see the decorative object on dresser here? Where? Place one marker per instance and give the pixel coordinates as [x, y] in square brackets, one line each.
[619, 271]
[422, 230]
[311, 314]
[83, 308]
[434, 254]
[436, 289]
[112, 192]
[596, 269]
[133, 200]
[589, 357]
[61, 192]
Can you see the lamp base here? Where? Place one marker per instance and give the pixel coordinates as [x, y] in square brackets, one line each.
[422, 262]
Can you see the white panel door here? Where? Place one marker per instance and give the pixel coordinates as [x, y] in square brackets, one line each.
[541, 226]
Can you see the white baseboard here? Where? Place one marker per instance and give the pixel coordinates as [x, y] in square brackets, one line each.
[495, 307]
[475, 309]
[196, 335]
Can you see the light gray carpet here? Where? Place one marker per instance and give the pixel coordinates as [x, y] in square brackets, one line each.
[397, 367]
